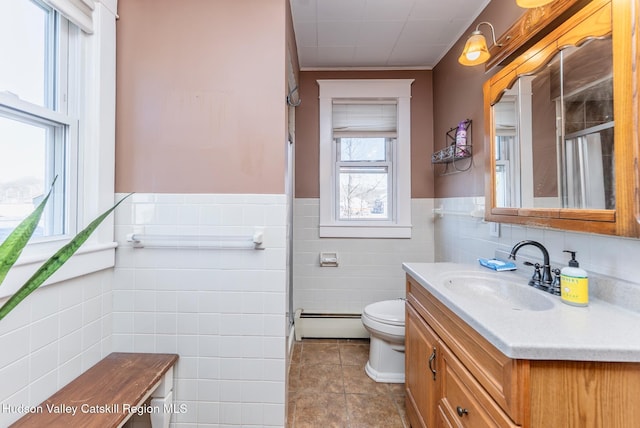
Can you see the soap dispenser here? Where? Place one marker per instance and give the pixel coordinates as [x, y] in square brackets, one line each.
[574, 283]
[461, 139]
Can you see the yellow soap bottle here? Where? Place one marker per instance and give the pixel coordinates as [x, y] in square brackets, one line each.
[574, 283]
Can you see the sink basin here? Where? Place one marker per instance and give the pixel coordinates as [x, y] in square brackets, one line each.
[494, 290]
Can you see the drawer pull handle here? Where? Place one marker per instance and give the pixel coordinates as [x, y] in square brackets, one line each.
[461, 411]
[431, 359]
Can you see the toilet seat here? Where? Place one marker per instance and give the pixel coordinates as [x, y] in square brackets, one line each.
[387, 312]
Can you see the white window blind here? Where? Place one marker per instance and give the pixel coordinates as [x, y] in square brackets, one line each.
[349, 117]
[80, 12]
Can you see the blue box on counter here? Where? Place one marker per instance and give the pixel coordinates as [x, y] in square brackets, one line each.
[498, 264]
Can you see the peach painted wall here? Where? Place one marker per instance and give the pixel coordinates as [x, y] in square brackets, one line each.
[457, 95]
[307, 129]
[201, 96]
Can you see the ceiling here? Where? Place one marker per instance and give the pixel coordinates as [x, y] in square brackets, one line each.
[339, 34]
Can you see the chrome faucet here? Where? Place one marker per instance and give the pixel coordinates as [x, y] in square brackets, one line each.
[547, 278]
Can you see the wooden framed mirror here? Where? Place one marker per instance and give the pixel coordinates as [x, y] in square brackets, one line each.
[560, 131]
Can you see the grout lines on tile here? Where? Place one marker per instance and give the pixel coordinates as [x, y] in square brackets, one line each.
[328, 387]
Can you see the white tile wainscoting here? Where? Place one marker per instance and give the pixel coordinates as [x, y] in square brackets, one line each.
[369, 270]
[54, 335]
[612, 261]
[222, 311]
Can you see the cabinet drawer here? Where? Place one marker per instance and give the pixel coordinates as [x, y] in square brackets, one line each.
[443, 420]
[503, 378]
[464, 402]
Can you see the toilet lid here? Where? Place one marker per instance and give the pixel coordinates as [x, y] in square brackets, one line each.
[387, 311]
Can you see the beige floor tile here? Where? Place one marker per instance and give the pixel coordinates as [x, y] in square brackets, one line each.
[328, 388]
[321, 378]
[354, 354]
[292, 396]
[397, 388]
[402, 409]
[320, 353]
[372, 411]
[296, 352]
[320, 410]
[294, 376]
[356, 381]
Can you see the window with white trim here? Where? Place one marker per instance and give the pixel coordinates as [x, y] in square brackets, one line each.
[38, 127]
[57, 118]
[365, 151]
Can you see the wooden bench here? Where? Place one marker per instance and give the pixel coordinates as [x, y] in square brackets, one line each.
[109, 393]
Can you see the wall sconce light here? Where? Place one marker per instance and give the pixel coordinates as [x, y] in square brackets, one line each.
[530, 4]
[475, 51]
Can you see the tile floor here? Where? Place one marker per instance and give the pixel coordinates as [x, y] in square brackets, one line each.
[328, 387]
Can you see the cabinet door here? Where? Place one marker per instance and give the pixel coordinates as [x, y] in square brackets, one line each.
[422, 377]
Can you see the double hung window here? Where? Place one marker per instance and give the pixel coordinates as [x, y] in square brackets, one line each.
[364, 137]
[57, 119]
[38, 124]
[365, 158]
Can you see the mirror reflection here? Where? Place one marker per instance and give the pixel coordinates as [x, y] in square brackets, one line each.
[553, 133]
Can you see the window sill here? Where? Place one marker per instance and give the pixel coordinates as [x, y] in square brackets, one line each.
[88, 259]
[365, 231]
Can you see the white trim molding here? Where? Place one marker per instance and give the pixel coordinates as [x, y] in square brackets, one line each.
[399, 224]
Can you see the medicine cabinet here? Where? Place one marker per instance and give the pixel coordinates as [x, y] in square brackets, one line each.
[560, 140]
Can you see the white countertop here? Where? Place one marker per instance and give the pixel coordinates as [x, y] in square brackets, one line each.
[599, 332]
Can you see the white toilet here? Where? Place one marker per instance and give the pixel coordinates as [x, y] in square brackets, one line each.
[385, 322]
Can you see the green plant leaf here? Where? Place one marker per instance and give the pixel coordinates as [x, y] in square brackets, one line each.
[13, 245]
[54, 263]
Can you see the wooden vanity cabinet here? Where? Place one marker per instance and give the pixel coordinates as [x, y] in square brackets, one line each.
[449, 365]
[477, 386]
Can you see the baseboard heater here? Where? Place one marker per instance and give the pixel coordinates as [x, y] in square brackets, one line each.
[327, 325]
